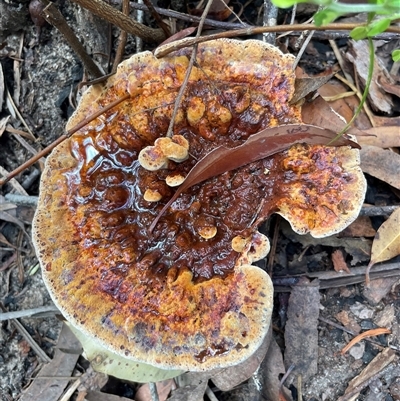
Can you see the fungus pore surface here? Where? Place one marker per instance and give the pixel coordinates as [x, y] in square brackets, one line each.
[186, 295]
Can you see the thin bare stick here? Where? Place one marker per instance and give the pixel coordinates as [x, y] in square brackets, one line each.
[123, 36]
[35, 347]
[340, 60]
[188, 71]
[163, 51]
[210, 394]
[186, 17]
[110, 14]
[15, 109]
[153, 392]
[302, 49]
[38, 312]
[62, 138]
[55, 18]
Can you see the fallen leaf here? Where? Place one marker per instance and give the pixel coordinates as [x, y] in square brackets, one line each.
[192, 386]
[344, 106]
[339, 264]
[357, 53]
[360, 227]
[379, 288]
[47, 385]
[272, 368]
[358, 248]
[301, 332]
[386, 244]
[3, 124]
[347, 321]
[383, 137]
[382, 164]
[259, 146]
[305, 85]
[320, 113]
[178, 36]
[388, 84]
[383, 359]
[382, 121]
[365, 334]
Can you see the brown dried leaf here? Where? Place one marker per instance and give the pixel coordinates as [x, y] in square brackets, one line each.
[272, 367]
[219, 10]
[383, 137]
[178, 36]
[379, 99]
[320, 113]
[47, 385]
[339, 264]
[344, 106]
[361, 227]
[305, 85]
[301, 333]
[388, 85]
[386, 243]
[382, 121]
[382, 164]
[263, 144]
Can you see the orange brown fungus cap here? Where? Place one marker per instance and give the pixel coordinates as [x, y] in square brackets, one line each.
[185, 296]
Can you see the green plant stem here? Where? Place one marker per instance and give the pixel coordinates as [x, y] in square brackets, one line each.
[344, 8]
[366, 90]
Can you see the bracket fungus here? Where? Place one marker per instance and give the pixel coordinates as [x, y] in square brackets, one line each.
[185, 296]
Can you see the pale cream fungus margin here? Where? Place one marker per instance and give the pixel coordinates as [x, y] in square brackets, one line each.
[185, 296]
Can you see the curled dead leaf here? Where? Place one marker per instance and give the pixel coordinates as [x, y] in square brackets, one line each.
[386, 243]
[339, 264]
[382, 164]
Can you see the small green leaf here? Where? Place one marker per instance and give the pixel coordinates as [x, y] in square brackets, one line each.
[324, 17]
[377, 27]
[396, 55]
[360, 32]
[393, 3]
[285, 3]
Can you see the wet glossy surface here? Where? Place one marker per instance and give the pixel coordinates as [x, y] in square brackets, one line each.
[173, 298]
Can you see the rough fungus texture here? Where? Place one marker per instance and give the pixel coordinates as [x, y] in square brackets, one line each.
[185, 296]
